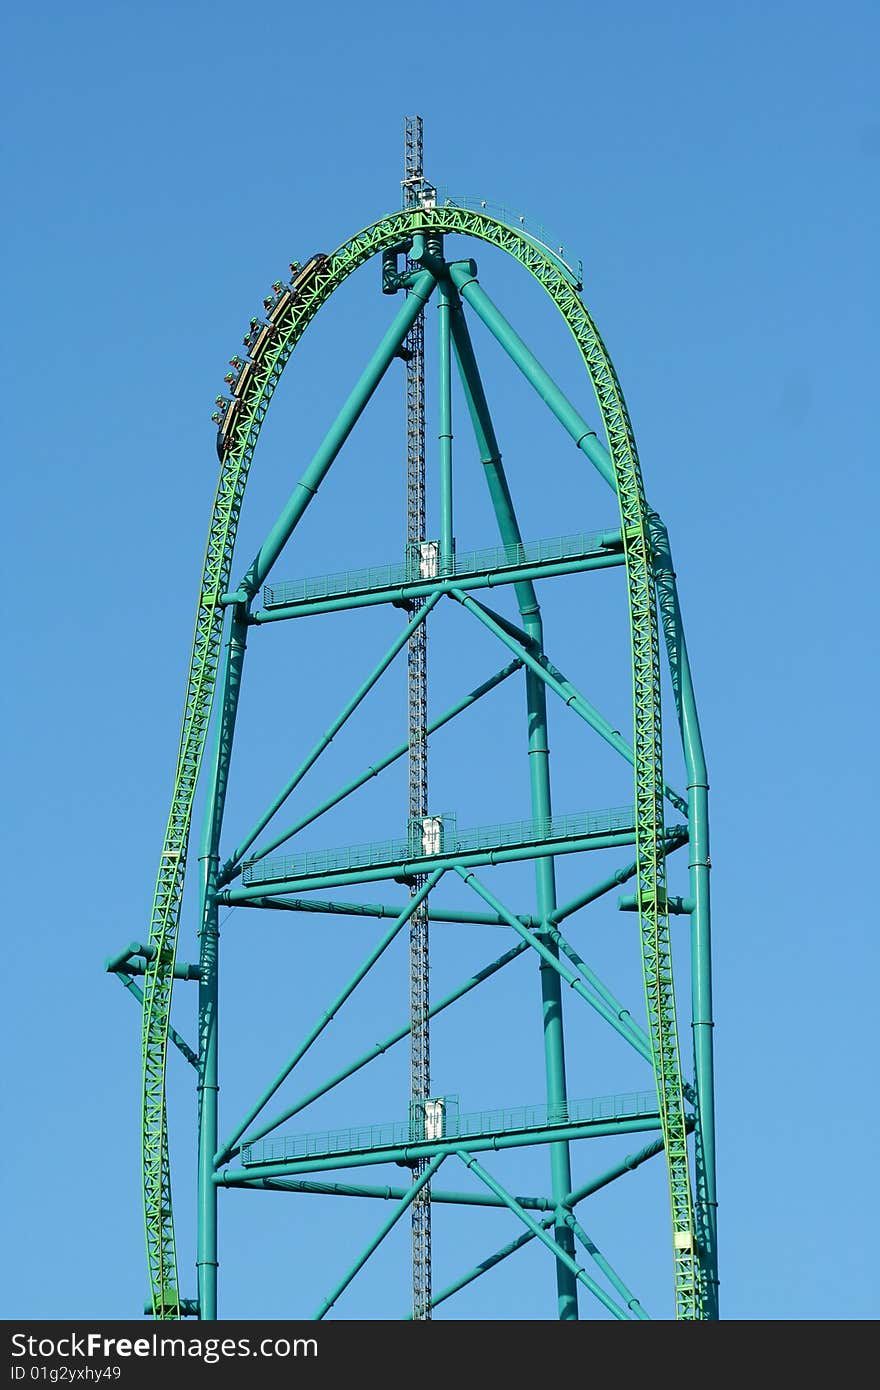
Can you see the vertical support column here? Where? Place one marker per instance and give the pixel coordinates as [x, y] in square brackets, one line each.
[417, 693]
[699, 864]
[539, 774]
[551, 984]
[447, 540]
[209, 942]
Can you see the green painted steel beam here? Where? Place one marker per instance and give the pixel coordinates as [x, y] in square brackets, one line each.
[400, 1209]
[678, 907]
[572, 421]
[555, 681]
[188, 1308]
[444, 391]
[418, 295]
[182, 1046]
[406, 1154]
[519, 634]
[628, 1164]
[485, 1265]
[207, 1240]
[231, 868]
[435, 914]
[327, 1017]
[639, 1039]
[488, 447]
[675, 838]
[388, 1194]
[401, 594]
[328, 736]
[550, 957]
[135, 958]
[611, 1274]
[539, 771]
[543, 1235]
[365, 1137]
[379, 1048]
[701, 935]
[454, 843]
[404, 870]
[486, 560]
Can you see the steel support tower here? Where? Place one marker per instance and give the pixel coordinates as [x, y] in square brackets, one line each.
[655, 1113]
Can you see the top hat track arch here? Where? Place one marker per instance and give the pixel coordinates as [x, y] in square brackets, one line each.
[412, 245]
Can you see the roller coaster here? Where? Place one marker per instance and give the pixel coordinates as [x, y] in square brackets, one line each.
[675, 1105]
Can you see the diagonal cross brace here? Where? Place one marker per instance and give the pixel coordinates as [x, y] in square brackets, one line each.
[384, 942]
[559, 684]
[596, 1002]
[537, 1229]
[399, 1210]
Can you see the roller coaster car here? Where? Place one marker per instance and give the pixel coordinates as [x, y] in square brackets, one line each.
[224, 414]
[237, 379]
[242, 379]
[308, 271]
[263, 335]
[279, 306]
[285, 297]
[253, 333]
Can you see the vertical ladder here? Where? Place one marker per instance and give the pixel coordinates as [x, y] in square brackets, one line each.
[417, 687]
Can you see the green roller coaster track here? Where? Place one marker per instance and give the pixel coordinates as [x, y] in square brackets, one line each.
[648, 574]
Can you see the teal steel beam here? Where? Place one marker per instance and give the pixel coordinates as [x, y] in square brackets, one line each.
[231, 868]
[617, 1170]
[551, 958]
[187, 1308]
[676, 837]
[400, 1209]
[207, 1260]
[675, 906]
[551, 992]
[487, 445]
[537, 1229]
[388, 1194]
[327, 1017]
[512, 629]
[397, 1036]
[611, 1274]
[583, 434]
[182, 1046]
[627, 1165]
[412, 306]
[590, 895]
[559, 684]
[699, 864]
[485, 1265]
[327, 738]
[640, 1040]
[444, 388]
[436, 914]
[400, 594]
[539, 768]
[405, 1154]
[574, 697]
[128, 960]
[404, 870]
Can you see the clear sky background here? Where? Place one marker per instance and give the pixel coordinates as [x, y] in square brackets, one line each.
[716, 169]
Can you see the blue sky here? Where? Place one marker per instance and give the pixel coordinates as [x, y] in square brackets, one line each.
[716, 169]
